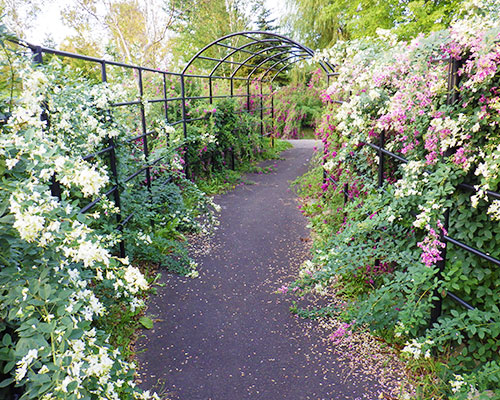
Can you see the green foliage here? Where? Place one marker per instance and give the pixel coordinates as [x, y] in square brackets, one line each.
[298, 106]
[383, 252]
[321, 23]
[227, 179]
[193, 30]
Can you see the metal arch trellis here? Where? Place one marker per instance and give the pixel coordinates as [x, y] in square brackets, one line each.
[264, 52]
[278, 49]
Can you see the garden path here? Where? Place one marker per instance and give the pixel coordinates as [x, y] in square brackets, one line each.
[227, 335]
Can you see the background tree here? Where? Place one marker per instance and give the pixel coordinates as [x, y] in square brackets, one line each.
[200, 22]
[137, 30]
[18, 15]
[263, 20]
[320, 23]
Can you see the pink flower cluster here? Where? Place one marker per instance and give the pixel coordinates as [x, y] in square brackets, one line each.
[343, 330]
[431, 246]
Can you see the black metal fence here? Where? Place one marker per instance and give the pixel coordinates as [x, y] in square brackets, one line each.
[382, 152]
[263, 56]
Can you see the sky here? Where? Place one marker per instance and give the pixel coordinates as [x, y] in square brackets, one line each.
[48, 23]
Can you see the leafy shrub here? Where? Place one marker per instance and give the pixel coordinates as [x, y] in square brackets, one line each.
[57, 272]
[298, 106]
[386, 251]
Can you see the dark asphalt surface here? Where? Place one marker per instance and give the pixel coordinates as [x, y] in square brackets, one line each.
[227, 335]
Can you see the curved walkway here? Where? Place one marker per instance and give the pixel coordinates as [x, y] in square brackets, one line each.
[227, 335]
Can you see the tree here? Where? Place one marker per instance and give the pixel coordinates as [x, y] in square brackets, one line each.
[18, 15]
[263, 21]
[320, 23]
[200, 22]
[136, 29]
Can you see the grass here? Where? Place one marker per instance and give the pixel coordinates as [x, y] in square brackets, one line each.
[228, 179]
[307, 132]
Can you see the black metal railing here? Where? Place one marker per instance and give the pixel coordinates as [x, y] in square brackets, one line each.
[265, 53]
[445, 238]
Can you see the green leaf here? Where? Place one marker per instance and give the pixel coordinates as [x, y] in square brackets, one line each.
[6, 340]
[6, 382]
[9, 366]
[146, 322]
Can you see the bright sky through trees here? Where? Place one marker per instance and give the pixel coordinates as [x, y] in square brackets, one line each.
[49, 23]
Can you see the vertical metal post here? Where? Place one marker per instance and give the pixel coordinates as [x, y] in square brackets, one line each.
[38, 55]
[381, 160]
[346, 193]
[165, 102]
[272, 116]
[144, 130]
[248, 95]
[261, 110]
[452, 96]
[232, 86]
[114, 171]
[453, 81]
[210, 91]
[184, 124]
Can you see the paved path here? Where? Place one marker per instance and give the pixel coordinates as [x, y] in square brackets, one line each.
[227, 335]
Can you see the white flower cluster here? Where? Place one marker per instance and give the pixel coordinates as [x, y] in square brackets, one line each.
[457, 383]
[415, 349]
[25, 363]
[207, 137]
[412, 181]
[135, 280]
[31, 212]
[454, 135]
[71, 254]
[88, 178]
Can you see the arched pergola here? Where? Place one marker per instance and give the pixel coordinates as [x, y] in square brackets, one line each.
[243, 57]
[246, 57]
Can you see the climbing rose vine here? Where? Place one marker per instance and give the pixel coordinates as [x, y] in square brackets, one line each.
[400, 89]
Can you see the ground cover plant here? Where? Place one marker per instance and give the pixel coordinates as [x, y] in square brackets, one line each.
[383, 253]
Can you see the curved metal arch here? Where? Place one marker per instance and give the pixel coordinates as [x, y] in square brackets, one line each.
[279, 62]
[242, 48]
[276, 63]
[283, 46]
[248, 34]
[286, 66]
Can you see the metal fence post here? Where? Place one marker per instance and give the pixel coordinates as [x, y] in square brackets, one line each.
[381, 160]
[165, 98]
[261, 110]
[184, 124]
[210, 90]
[248, 95]
[114, 172]
[452, 96]
[144, 129]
